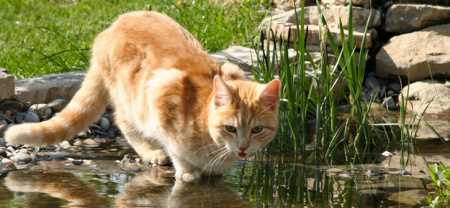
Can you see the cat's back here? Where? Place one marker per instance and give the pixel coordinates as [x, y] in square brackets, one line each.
[142, 41]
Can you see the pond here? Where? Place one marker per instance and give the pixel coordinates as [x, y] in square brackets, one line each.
[261, 182]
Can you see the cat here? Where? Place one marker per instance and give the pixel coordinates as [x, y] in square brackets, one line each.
[172, 102]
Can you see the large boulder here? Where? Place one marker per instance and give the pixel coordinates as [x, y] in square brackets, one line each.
[6, 85]
[401, 18]
[49, 87]
[416, 55]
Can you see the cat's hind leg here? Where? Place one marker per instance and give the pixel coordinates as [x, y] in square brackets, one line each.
[148, 149]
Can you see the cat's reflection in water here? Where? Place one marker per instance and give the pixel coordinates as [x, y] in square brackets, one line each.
[155, 187]
[61, 185]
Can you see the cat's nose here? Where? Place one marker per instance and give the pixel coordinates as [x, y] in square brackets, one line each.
[242, 149]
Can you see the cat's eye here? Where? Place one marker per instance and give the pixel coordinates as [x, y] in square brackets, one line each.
[257, 129]
[230, 129]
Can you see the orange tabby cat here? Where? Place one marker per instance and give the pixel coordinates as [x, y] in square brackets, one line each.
[171, 99]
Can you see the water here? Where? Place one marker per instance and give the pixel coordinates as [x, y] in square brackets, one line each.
[265, 182]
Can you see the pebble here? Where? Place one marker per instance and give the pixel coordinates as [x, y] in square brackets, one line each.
[91, 143]
[65, 145]
[104, 123]
[42, 110]
[27, 117]
[22, 158]
[2, 141]
[57, 104]
[6, 165]
[75, 161]
[389, 103]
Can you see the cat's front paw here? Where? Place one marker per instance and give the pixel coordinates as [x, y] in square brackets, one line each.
[156, 157]
[188, 177]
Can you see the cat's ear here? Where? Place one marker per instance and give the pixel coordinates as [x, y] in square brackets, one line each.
[271, 93]
[222, 94]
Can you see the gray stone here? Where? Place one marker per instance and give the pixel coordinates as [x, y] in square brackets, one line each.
[372, 83]
[21, 158]
[401, 18]
[57, 104]
[42, 110]
[416, 55]
[6, 85]
[2, 141]
[104, 123]
[27, 117]
[50, 87]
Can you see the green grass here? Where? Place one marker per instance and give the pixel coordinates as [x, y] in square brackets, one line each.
[50, 36]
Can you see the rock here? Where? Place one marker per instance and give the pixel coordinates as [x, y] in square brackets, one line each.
[22, 158]
[412, 197]
[91, 143]
[42, 110]
[374, 87]
[389, 103]
[2, 141]
[395, 86]
[332, 15]
[49, 87]
[434, 129]
[432, 2]
[7, 85]
[244, 57]
[27, 117]
[365, 3]
[3, 127]
[65, 145]
[281, 30]
[6, 165]
[57, 104]
[401, 18]
[104, 123]
[372, 83]
[431, 94]
[416, 55]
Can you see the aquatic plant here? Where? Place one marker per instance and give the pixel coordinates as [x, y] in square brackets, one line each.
[440, 178]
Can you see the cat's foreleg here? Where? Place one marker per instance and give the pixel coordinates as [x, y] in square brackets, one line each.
[148, 149]
[184, 171]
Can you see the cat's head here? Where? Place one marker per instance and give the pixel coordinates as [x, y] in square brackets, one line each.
[243, 115]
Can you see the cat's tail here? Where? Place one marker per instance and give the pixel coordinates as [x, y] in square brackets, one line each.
[85, 107]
